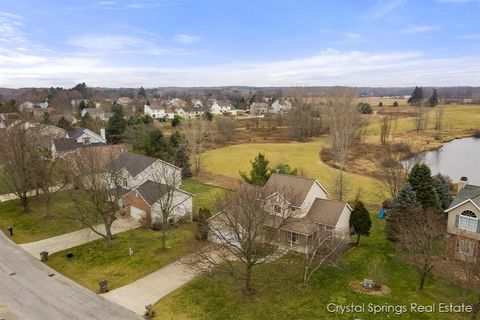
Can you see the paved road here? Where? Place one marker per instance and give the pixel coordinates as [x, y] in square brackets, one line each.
[148, 290]
[28, 293]
[76, 238]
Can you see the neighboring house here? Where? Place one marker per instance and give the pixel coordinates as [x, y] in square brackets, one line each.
[9, 120]
[463, 227]
[258, 108]
[124, 101]
[28, 105]
[316, 216]
[78, 138]
[158, 112]
[194, 112]
[145, 181]
[97, 113]
[280, 106]
[223, 107]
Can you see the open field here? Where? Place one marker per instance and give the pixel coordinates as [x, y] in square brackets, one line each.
[34, 226]
[204, 195]
[304, 156]
[280, 294]
[94, 262]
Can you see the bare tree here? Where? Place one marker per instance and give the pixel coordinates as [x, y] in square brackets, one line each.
[344, 128]
[171, 199]
[97, 189]
[385, 129]
[225, 128]
[421, 238]
[19, 153]
[470, 280]
[246, 232]
[439, 115]
[325, 249]
[197, 136]
[304, 119]
[392, 172]
[421, 118]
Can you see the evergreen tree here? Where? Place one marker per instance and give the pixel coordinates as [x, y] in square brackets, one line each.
[420, 178]
[147, 119]
[141, 92]
[380, 104]
[417, 97]
[175, 121]
[433, 101]
[82, 105]
[405, 201]
[64, 123]
[116, 124]
[395, 104]
[156, 146]
[202, 223]
[443, 191]
[259, 173]
[46, 118]
[208, 116]
[364, 108]
[360, 220]
[182, 160]
[87, 122]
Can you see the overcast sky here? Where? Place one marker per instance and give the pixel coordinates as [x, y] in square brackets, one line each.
[239, 42]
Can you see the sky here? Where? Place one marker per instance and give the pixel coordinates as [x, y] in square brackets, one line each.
[153, 43]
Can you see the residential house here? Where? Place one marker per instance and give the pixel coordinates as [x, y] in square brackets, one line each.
[463, 227]
[97, 113]
[316, 215]
[9, 120]
[145, 182]
[124, 101]
[78, 138]
[280, 106]
[258, 108]
[158, 112]
[223, 108]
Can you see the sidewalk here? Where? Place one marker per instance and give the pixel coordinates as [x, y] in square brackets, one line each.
[12, 196]
[148, 290]
[76, 238]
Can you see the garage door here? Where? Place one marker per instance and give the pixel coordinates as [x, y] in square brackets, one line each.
[137, 213]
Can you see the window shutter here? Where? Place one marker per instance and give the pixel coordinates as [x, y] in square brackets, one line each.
[478, 227]
[457, 217]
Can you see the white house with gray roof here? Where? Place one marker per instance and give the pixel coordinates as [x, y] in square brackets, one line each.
[315, 214]
[75, 139]
[463, 225]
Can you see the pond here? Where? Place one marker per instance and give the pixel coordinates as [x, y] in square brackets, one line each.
[456, 159]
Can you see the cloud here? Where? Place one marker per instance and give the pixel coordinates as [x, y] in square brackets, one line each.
[382, 8]
[420, 29]
[186, 38]
[330, 67]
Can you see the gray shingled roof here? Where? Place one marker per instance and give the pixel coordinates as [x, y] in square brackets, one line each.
[70, 144]
[468, 192]
[324, 211]
[132, 162]
[76, 133]
[152, 191]
[299, 186]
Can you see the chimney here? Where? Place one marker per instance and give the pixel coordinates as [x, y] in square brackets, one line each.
[102, 133]
[462, 183]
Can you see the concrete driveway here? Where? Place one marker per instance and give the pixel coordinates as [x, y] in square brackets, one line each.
[30, 290]
[76, 238]
[148, 290]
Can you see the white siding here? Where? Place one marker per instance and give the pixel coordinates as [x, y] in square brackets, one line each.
[315, 192]
[342, 229]
[182, 203]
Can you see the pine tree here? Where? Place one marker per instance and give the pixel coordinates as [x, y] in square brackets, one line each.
[360, 220]
[116, 125]
[405, 201]
[141, 92]
[443, 191]
[259, 173]
[417, 97]
[420, 178]
[81, 106]
[284, 168]
[64, 123]
[88, 122]
[156, 146]
[182, 160]
[175, 121]
[433, 101]
[46, 118]
[202, 223]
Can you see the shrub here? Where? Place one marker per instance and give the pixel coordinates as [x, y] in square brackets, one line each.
[364, 108]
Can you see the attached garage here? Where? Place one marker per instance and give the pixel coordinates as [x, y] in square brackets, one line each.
[137, 213]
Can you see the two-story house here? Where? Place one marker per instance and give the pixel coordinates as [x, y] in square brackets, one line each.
[146, 181]
[97, 113]
[316, 215]
[280, 106]
[223, 108]
[158, 112]
[76, 139]
[463, 226]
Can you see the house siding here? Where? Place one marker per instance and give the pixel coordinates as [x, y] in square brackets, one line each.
[315, 192]
[134, 199]
[451, 227]
[342, 229]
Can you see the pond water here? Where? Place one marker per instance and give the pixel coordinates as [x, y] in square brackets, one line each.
[456, 159]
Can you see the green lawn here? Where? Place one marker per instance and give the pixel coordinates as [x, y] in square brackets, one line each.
[204, 195]
[230, 160]
[35, 225]
[280, 294]
[93, 262]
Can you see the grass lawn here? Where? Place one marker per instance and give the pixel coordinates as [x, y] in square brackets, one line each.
[230, 160]
[280, 294]
[93, 262]
[34, 225]
[204, 195]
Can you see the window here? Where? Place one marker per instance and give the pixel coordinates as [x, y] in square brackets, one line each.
[468, 220]
[466, 247]
[277, 208]
[86, 140]
[125, 182]
[292, 237]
